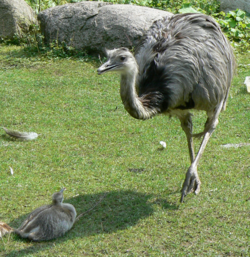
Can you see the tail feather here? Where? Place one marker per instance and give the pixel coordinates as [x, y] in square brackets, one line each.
[21, 135]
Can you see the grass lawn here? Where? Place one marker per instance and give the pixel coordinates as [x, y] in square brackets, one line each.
[91, 146]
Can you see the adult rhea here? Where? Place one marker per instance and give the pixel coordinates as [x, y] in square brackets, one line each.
[184, 62]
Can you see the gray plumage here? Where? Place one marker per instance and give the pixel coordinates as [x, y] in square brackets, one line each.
[183, 63]
[49, 221]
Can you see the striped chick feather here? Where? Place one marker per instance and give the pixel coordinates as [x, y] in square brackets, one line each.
[4, 229]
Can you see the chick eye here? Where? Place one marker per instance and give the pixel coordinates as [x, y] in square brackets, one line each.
[122, 58]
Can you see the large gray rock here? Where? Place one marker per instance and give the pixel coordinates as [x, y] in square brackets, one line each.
[228, 5]
[94, 26]
[16, 16]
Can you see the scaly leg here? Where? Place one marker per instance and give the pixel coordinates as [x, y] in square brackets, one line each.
[187, 126]
[192, 181]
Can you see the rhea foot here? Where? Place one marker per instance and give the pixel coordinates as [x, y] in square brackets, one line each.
[192, 182]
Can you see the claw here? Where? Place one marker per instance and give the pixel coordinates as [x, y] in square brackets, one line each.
[191, 183]
[182, 197]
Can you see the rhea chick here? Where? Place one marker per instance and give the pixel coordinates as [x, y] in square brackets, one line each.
[49, 221]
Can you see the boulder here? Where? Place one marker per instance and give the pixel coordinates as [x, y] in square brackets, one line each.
[228, 5]
[16, 16]
[94, 26]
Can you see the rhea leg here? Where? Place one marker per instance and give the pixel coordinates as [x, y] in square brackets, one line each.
[192, 181]
[187, 126]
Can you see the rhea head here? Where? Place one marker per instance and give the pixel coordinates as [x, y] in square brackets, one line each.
[57, 198]
[120, 59]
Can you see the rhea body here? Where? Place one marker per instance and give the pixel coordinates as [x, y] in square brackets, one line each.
[183, 63]
[49, 221]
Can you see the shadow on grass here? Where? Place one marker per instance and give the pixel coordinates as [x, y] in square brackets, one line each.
[117, 211]
[11, 139]
[242, 91]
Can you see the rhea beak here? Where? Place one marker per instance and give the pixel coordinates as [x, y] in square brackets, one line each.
[63, 189]
[105, 67]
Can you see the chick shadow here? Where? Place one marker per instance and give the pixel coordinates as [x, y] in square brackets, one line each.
[117, 210]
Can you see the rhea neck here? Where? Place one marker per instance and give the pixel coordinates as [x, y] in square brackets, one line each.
[129, 96]
[56, 201]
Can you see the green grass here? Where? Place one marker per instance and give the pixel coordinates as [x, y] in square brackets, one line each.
[91, 146]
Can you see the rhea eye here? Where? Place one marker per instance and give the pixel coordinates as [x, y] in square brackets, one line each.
[122, 58]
